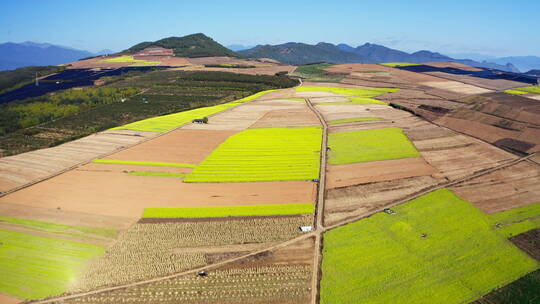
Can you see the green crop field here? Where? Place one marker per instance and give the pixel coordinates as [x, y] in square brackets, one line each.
[524, 90]
[169, 122]
[373, 92]
[356, 119]
[317, 72]
[516, 221]
[59, 228]
[514, 92]
[142, 163]
[224, 211]
[437, 248]
[123, 59]
[266, 154]
[397, 64]
[34, 267]
[369, 145]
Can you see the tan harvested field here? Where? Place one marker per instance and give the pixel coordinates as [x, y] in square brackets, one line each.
[492, 84]
[459, 156]
[347, 202]
[122, 168]
[179, 146]
[281, 276]
[98, 62]
[120, 194]
[458, 87]
[288, 118]
[377, 171]
[7, 299]
[32, 166]
[512, 187]
[151, 250]
[449, 64]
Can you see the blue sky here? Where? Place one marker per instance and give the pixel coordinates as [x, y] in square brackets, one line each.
[495, 27]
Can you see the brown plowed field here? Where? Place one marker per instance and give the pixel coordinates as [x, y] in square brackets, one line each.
[452, 65]
[179, 146]
[377, 171]
[512, 187]
[493, 84]
[121, 168]
[457, 157]
[120, 194]
[529, 242]
[347, 202]
[27, 167]
[454, 86]
[288, 118]
[5, 299]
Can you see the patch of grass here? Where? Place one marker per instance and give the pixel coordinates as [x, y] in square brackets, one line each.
[372, 92]
[265, 154]
[34, 267]
[369, 145]
[514, 92]
[59, 228]
[437, 248]
[168, 122]
[356, 119]
[158, 174]
[317, 72]
[516, 221]
[143, 163]
[224, 211]
[398, 64]
[524, 90]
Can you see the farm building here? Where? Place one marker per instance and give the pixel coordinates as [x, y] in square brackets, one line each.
[155, 51]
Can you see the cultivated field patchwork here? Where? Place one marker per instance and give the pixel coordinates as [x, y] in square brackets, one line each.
[265, 154]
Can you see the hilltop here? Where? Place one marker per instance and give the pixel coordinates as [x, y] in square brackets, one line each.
[194, 45]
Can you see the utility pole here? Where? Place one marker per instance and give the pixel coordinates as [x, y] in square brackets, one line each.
[37, 82]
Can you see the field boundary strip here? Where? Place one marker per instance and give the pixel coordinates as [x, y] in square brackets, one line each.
[227, 211]
[142, 163]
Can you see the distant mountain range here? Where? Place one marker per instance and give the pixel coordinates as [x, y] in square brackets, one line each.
[302, 53]
[16, 55]
[195, 45]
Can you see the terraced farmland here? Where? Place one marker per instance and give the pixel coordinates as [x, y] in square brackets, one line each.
[440, 236]
[266, 154]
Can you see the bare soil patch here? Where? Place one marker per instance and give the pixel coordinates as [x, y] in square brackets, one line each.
[288, 118]
[449, 64]
[492, 84]
[377, 171]
[455, 86]
[512, 187]
[7, 299]
[120, 194]
[528, 242]
[347, 202]
[179, 146]
[27, 167]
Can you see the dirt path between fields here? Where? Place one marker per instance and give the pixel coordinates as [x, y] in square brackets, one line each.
[319, 227]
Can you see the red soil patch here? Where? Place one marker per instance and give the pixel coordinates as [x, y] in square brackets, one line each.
[377, 171]
[5, 299]
[179, 146]
[120, 194]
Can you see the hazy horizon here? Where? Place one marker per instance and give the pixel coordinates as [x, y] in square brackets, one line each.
[490, 28]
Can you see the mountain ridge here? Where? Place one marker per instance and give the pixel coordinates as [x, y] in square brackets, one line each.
[366, 53]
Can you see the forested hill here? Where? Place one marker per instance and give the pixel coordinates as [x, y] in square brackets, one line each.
[194, 45]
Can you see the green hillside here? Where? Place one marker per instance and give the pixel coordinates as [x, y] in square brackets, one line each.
[194, 45]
